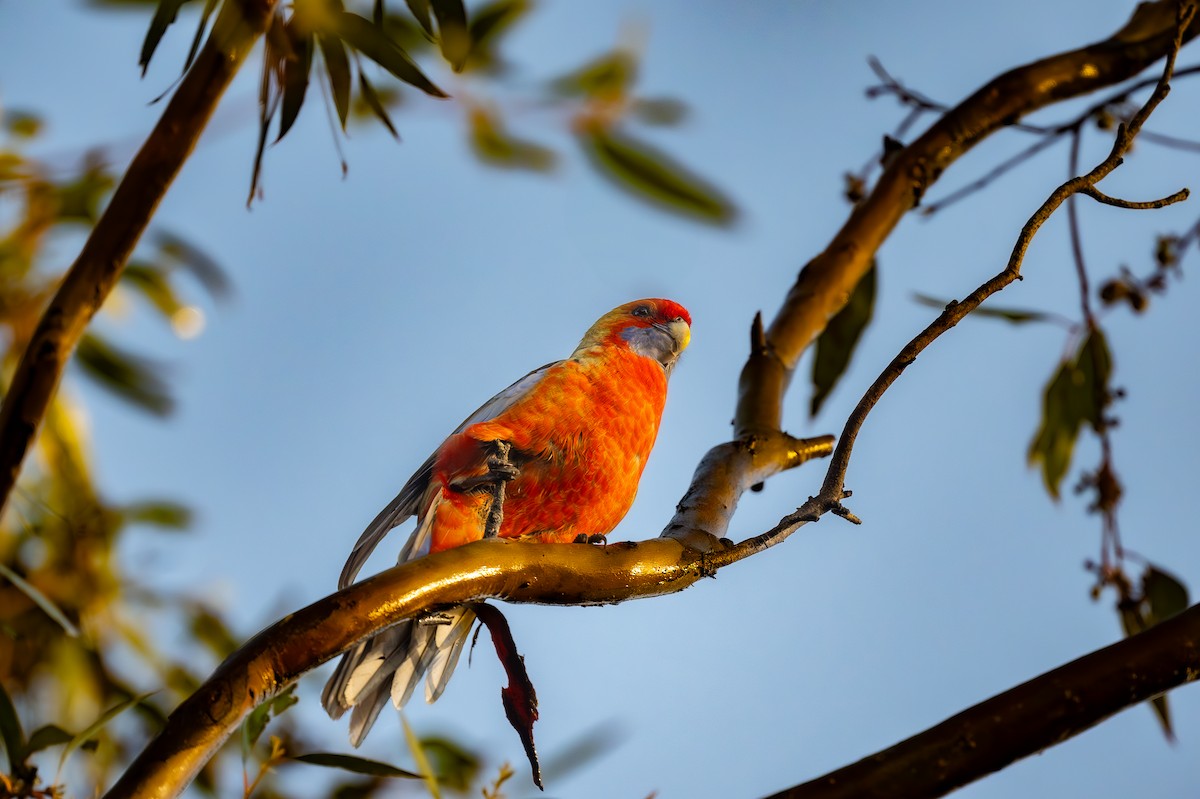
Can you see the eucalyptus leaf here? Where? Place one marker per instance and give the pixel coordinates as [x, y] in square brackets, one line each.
[372, 42]
[40, 599]
[357, 765]
[655, 177]
[835, 346]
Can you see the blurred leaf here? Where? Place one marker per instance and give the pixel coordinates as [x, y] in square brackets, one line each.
[1162, 712]
[374, 104]
[456, 767]
[1014, 315]
[209, 7]
[836, 344]
[337, 66]
[197, 262]
[79, 200]
[210, 629]
[159, 513]
[651, 175]
[152, 283]
[583, 750]
[99, 724]
[487, 25]
[1164, 593]
[295, 80]
[10, 731]
[256, 721]
[1069, 400]
[606, 78]
[1055, 439]
[663, 111]
[418, 753]
[164, 16]
[375, 45]
[519, 698]
[421, 12]
[453, 36]
[357, 765]
[493, 145]
[1094, 366]
[22, 124]
[41, 600]
[128, 376]
[46, 737]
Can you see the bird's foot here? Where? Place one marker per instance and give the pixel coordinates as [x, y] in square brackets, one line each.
[594, 538]
[500, 471]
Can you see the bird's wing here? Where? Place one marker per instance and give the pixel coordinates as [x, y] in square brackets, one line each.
[408, 502]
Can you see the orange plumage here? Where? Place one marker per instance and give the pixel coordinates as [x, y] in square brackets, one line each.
[580, 432]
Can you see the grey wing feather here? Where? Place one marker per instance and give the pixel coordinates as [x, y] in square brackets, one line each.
[406, 504]
[391, 664]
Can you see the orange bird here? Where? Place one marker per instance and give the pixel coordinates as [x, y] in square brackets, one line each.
[556, 455]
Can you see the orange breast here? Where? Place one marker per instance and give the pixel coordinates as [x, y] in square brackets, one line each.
[581, 438]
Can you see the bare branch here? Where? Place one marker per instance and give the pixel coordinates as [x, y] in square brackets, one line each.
[1024, 720]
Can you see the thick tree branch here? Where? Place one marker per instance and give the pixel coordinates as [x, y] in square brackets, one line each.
[90, 279]
[516, 571]
[1024, 720]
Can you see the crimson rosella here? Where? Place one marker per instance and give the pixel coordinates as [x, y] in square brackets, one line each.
[561, 451]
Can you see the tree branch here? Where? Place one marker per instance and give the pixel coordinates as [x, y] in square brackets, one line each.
[1024, 720]
[90, 279]
[825, 283]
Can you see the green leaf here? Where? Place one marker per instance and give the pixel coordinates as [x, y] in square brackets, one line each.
[210, 629]
[453, 36]
[836, 344]
[1055, 439]
[493, 145]
[1014, 315]
[99, 724]
[41, 600]
[164, 15]
[653, 176]
[159, 513]
[371, 41]
[256, 722]
[295, 81]
[80, 200]
[10, 731]
[375, 104]
[606, 78]
[46, 737]
[209, 7]
[1076, 394]
[357, 765]
[418, 753]
[151, 282]
[1164, 593]
[487, 25]
[22, 124]
[337, 66]
[1094, 366]
[198, 263]
[662, 111]
[420, 10]
[456, 767]
[128, 376]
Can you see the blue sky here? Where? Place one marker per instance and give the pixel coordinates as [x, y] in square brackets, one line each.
[363, 329]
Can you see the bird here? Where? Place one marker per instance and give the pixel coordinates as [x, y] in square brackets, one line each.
[556, 458]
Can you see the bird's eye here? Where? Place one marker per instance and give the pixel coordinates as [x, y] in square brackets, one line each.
[641, 310]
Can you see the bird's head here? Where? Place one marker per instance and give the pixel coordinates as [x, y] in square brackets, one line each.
[655, 328]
